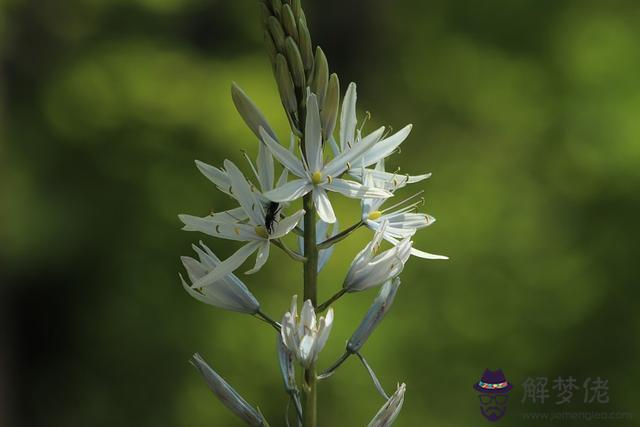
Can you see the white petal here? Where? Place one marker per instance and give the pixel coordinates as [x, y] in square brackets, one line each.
[313, 135]
[241, 191]
[261, 258]
[266, 171]
[283, 155]
[305, 351]
[426, 255]
[287, 224]
[323, 205]
[385, 147]
[218, 228]
[215, 175]
[356, 190]
[348, 119]
[228, 265]
[351, 156]
[292, 190]
[326, 323]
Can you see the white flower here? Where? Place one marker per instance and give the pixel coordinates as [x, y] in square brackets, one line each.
[228, 293]
[401, 222]
[350, 137]
[264, 174]
[255, 231]
[315, 176]
[368, 269]
[390, 410]
[305, 336]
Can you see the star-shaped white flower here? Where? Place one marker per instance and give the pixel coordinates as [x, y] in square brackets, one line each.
[254, 231]
[315, 176]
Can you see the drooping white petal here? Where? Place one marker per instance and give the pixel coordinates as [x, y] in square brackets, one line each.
[292, 190]
[385, 147]
[266, 171]
[348, 119]
[416, 252]
[241, 191]
[287, 224]
[387, 415]
[351, 156]
[323, 205]
[261, 257]
[228, 265]
[284, 156]
[356, 190]
[313, 135]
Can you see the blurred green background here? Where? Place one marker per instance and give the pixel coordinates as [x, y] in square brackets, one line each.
[526, 112]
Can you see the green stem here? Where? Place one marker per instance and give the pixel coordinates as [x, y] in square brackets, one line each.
[344, 233]
[294, 255]
[322, 307]
[310, 293]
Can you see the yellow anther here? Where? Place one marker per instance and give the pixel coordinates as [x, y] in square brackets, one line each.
[375, 215]
[316, 178]
[329, 178]
[237, 230]
[262, 232]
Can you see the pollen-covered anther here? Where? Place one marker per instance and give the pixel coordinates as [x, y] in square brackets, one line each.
[329, 178]
[374, 215]
[262, 232]
[316, 178]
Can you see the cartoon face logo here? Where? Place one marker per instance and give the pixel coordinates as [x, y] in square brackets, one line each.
[493, 392]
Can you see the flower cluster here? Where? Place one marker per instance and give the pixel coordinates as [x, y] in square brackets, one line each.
[313, 166]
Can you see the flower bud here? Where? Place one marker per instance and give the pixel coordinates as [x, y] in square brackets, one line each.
[296, 6]
[228, 293]
[306, 48]
[285, 357]
[320, 76]
[265, 13]
[250, 113]
[289, 22]
[295, 62]
[226, 394]
[276, 5]
[276, 31]
[374, 316]
[272, 51]
[285, 85]
[329, 113]
[390, 410]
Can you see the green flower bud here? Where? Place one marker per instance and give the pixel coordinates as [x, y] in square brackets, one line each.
[285, 85]
[250, 113]
[306, 49]
[276, 5]
[329, 113]
[295, 62]
[289, 22]
[271, 47]
[320, 77]
[227, 395]
[296, 6]
[265, 13]
[276, 31]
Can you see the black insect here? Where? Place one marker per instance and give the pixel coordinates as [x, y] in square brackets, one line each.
[272, 214]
